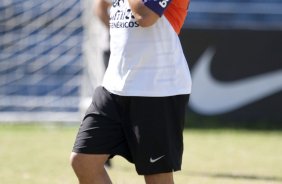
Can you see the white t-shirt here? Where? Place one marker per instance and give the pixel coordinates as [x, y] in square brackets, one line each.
[144, 61]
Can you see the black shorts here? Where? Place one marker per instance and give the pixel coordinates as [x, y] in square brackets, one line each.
[147, 131]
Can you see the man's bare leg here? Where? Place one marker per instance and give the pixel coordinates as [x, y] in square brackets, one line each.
[90, 169]
[163, 178]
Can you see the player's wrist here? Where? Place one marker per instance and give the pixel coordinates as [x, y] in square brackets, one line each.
[157, 6]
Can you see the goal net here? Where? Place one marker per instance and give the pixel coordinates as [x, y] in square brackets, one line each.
[49, 60]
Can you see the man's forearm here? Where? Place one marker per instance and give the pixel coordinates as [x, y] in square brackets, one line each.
[144, 16]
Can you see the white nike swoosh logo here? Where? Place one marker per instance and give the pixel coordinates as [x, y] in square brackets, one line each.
[156, 159]
[211, 97]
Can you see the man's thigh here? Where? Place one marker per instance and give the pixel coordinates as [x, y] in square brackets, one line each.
[156, 141]
[101, 131]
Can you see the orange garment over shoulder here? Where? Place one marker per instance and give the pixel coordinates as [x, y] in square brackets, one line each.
[176, 13]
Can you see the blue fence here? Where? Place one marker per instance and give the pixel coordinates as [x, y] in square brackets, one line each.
[40, 55]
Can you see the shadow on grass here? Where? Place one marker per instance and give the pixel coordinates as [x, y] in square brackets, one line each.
[235, 176]
[220, 122]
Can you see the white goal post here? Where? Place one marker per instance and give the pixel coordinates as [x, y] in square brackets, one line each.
[95, 36]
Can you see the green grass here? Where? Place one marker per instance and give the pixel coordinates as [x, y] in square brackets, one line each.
[31, 154]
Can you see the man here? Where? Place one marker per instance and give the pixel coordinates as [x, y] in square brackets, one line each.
[139, 111]
[101, 8]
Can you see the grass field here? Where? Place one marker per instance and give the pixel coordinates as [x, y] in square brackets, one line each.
[39, 155]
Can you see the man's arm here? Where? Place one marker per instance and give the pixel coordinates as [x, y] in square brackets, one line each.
[101, 11]
[143, 14]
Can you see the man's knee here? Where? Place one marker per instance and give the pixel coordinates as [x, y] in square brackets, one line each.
[89, 168]
[87, 161]
[75, 160]
[162, 178]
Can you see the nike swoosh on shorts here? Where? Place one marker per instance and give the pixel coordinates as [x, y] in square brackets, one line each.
[156, 159]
